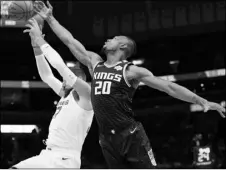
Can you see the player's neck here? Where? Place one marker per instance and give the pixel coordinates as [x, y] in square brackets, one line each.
[113, 59]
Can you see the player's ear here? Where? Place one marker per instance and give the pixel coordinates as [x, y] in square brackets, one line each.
[123, 46]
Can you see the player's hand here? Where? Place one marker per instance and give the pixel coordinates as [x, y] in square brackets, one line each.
[39, 20]
[34, 30]
[41, 9]
[214, 106]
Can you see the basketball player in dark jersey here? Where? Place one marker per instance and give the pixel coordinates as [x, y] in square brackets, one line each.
[123, 140]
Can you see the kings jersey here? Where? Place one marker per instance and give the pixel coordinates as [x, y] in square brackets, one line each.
[112, 96]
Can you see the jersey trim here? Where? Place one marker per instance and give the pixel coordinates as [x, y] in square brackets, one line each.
[95, 65]
[110, 66]
[124, 75]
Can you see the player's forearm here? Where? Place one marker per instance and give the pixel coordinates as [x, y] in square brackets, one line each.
[54, 59]
[63, 34]
[67, 38]
[52, 56]
[43, 67]
[184, 94]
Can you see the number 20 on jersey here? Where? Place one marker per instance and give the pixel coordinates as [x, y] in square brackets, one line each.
[102, 87]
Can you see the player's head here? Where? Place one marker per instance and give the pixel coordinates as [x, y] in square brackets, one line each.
[122, 44]
[78, 71]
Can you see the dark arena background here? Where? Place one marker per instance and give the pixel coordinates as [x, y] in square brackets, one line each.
[181, 41]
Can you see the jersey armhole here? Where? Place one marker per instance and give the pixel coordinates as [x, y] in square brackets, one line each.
[77, 99]
[95, 65]
[124, 75]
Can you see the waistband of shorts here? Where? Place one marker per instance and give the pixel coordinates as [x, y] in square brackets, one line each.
[126, 131]
[69, 152]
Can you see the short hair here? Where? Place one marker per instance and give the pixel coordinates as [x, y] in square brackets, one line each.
[131, 47]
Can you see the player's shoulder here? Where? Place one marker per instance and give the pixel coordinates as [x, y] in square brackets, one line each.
[131, 68]
[121, 65]
[94, 58]
[134, 72]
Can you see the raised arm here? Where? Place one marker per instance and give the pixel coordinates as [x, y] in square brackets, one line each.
[45, 72]
[145, 76]
[82, 88]
[44, 69]
[77, 49]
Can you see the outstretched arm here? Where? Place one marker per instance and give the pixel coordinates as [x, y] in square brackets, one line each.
[77, 49]
[145, 76]
[45, 72]
[82, 88]
[44, 69]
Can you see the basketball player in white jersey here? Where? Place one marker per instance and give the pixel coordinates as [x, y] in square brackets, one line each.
[74, 113]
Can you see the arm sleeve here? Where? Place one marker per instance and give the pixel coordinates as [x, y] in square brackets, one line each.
[46, 74]
[56, 61]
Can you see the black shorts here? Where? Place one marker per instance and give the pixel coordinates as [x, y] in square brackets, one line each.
[128, 149]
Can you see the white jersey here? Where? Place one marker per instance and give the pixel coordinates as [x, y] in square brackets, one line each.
[69, 125]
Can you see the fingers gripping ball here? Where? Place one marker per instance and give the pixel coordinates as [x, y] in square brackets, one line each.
[20, 10]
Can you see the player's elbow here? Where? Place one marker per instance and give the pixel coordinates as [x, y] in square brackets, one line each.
[46, 78]
[68, 39]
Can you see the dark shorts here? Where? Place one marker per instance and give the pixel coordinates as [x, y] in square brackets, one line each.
[128, 149]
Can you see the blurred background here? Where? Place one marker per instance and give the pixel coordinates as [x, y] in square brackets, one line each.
[181, 41]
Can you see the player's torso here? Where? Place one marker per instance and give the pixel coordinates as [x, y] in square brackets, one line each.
[112, 95]
[69, 125]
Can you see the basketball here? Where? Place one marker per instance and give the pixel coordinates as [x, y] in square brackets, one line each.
[20, 10]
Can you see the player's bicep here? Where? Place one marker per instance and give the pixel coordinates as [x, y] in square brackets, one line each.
[145, 76]
[56, 85]
[83, 89]
[156, 83]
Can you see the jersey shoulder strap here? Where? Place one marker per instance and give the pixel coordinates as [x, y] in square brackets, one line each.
[97, 64]
[125, 66]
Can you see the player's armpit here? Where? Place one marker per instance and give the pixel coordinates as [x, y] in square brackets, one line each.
[94, 59]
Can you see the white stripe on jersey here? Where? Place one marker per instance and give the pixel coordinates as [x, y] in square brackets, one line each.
[69, 125]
